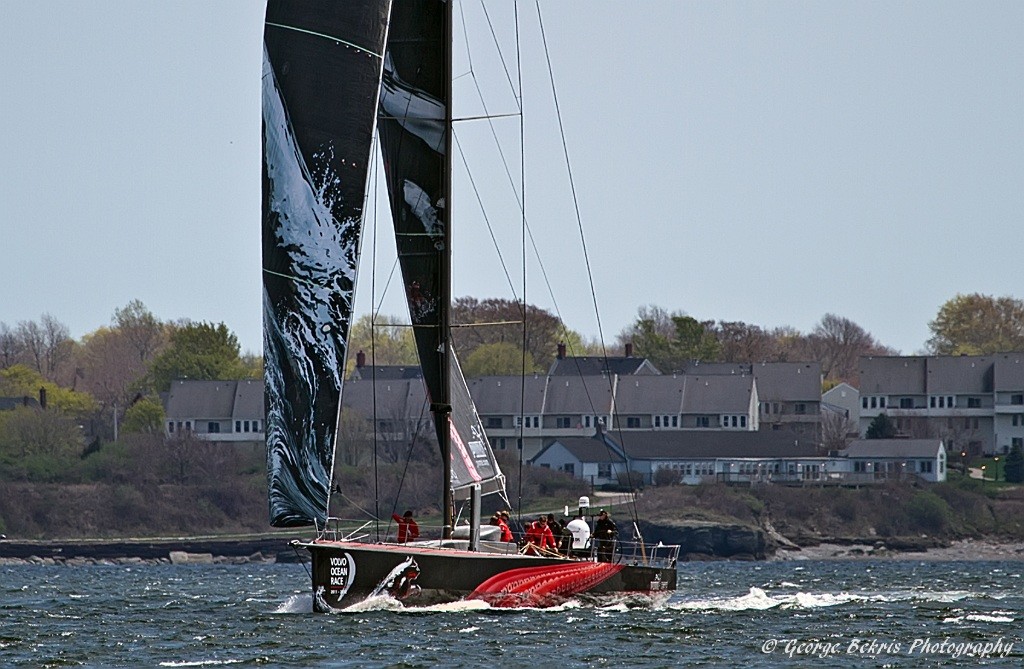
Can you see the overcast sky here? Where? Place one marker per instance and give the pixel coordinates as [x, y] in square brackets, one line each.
[768, 162]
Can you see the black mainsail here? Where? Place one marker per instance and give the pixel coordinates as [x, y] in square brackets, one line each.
[321, 79]
[415, 127]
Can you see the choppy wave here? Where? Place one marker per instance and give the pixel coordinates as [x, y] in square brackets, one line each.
[757, 599]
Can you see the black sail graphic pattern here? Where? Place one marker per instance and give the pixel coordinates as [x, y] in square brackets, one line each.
[414, 91]
[321, 80]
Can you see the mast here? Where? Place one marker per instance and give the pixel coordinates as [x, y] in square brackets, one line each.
[444, 310]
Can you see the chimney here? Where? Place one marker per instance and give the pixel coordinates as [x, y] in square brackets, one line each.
[629, 349]
[360, 360]
[42, 398]
[561, 350]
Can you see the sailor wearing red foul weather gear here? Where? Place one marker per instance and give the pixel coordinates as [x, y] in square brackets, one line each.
[539, 537]
[408, 530]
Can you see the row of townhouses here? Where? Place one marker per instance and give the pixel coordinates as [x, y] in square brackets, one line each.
[968, 404]
[623, 394]
[975, 404]
[744, 458]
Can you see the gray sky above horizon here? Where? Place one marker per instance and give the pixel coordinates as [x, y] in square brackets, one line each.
[742, 161]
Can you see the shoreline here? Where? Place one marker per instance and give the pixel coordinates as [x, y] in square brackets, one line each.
[964, 550]
[276, 550]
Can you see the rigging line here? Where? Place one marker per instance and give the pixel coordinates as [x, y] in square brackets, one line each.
[408, 459]
[579, 222]
[330, 37]
[483, 211]
[517, 95]
[522, 181]
[373, 348]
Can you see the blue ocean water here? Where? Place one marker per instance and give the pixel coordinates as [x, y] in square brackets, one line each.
[796, 614]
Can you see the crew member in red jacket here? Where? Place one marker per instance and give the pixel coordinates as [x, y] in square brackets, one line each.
[408, 530]
[539, 537]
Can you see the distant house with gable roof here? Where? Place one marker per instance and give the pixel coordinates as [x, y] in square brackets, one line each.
[226, 411]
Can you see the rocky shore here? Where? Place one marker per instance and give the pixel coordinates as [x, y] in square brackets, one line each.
[967, 550]
[149, 551]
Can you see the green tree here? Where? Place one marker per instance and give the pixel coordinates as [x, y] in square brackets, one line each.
[146, 415]
[38, 445]
[502, 359]
[384, 339]
[198, 351]
[978, 325]
[1014, 472]
[501, 321]
[20, 381]
[882, 427]
[670, 341]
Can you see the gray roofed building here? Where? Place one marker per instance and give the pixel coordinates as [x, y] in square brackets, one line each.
[10, 403]
[975, 404]
[1009, 372]
[508, 395]
[578, 397]
[588, 365]
[659, 445]
[647, 402]
[886, 459]
[216, 410]
[503, 402]
[892, 375]
[387, 372]
[596, 459]
[958, 375]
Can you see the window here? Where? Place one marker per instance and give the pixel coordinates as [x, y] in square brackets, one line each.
[563, 422]
[255, 426]
[925, 466]
[675, 421]
[170, 426]
[906, 403]
[801, 408]
[604, 470]
[970, 423]
[632, 421]
[743, 421]
[881, 403]
[247, 426]
[933, 402]
[1016, 399]
[874, 402]
[188, 426]
[657, 421]
[864, 403]
[973, 402]
[1017, 419]
[494, 422]
[766, 408]
[213, 427]
[1017, 441]
[569, 468]
[238, 426]
[703, 421]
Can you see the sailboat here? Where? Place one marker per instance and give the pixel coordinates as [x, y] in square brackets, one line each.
[332, 73]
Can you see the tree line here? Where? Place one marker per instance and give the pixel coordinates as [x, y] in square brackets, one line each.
[490, 338]
[111, 379]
